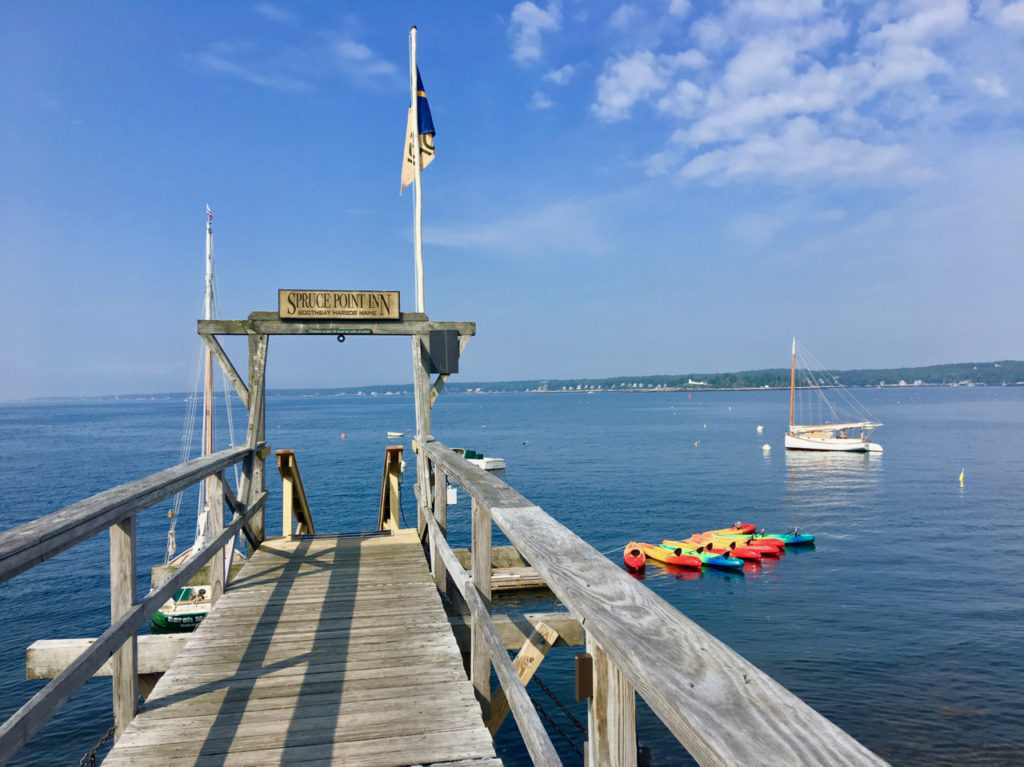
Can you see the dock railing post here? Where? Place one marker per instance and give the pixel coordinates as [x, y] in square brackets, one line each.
[611, 714]
[215, 499]
[421, 392]
[122, 598]
[479, 660]
[441, 516]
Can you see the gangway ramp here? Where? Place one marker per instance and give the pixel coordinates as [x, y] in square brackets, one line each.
[324, 650]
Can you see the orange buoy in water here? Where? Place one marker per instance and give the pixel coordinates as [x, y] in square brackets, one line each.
[343, 435]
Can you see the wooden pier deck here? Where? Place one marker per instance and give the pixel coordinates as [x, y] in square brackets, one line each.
[324, 650]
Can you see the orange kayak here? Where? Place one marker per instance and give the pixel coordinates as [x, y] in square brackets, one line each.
[633, 557]
[668, 556]
[740, 528]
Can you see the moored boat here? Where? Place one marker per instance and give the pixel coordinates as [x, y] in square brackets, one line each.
[789, 539]
[485, 462]
[740, 528]
[843, 435]
[182, 612]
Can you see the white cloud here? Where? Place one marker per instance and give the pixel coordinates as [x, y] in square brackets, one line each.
[682, 100]
[629, 79]
[785, 10]
[992, 86]
[931, 18]
[243, 62]
[274, 13]
[561, 76]
[540, 100]
[528, 21]
[623, 16]
[801, 148]
[679, 8]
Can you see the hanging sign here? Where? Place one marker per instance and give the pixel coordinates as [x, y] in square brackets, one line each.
[338, 305]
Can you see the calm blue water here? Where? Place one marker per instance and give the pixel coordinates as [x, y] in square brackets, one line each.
[903, 624]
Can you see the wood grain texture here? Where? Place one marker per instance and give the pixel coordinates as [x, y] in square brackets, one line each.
[124, 663]
[611, 714]
[227, 367]
[323, 651]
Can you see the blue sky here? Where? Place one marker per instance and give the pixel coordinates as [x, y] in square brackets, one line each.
[658, 187]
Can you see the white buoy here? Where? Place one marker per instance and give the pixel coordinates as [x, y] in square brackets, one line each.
[766, 447]
[760, 429]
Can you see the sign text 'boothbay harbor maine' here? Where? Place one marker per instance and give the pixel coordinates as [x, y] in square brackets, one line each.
[338, 304]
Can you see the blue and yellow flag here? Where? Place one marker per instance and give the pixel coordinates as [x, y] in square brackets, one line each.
[425, 133]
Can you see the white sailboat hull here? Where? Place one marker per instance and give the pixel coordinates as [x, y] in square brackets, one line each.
[831, 444]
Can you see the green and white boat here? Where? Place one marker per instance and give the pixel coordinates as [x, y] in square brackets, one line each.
[182, 612]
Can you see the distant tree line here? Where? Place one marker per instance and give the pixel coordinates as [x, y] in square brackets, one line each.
[1007, 372]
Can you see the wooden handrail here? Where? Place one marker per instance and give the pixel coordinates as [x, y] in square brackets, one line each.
[294, 506]
[701, 689]
[24, 547]
[37, 541]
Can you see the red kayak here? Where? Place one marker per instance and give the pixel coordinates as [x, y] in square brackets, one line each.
[669, 556]
[739, 528]
[633, 557]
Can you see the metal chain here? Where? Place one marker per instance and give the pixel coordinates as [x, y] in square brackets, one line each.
[553, 723]
[89, 760]
[561, 705]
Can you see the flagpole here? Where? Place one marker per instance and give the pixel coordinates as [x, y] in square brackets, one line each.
[417, 221]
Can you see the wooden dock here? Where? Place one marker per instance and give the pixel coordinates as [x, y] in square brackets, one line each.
[324, 650]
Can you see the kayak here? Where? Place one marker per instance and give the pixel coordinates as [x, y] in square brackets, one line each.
[723, 561]
[789, 539]
[778, 543]
[721, 541]
[668, 556]
[633, 558]
[739, 528]
[739, 552]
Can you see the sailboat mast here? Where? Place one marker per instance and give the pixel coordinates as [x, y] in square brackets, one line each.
[792, 383]
[208, 357]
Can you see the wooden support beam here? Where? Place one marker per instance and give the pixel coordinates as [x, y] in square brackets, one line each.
[124, 663]
[421, 394]
[526, 663]
[479, 663]
[46, 658]
[255, 432]
[441, 517]
[611, 714]
[268, 323]
[215, 523]
[227, 367]
[515, 628]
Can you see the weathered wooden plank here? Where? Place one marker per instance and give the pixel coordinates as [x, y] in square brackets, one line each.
[515, 628]
[434, 748]
[611, 715]
[124, 663]
[26, 546]
[479, 660]
[268, 323]
[45, 658]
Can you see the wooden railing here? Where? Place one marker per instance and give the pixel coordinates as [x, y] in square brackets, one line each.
[26, 546]
[294, 506]
[720, 707]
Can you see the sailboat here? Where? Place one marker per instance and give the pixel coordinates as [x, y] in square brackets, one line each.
[190, 604]
[832, 433]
